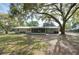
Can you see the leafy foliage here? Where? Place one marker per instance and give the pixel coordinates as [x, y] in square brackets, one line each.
[57, 12]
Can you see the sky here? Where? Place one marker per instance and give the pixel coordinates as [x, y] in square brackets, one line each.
[4, 7]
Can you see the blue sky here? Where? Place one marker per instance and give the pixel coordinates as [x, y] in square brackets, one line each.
[4, 7]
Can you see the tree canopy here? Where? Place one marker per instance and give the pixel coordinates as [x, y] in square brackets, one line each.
[58, 12]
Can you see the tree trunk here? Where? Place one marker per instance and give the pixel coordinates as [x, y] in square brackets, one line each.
[62, 29]
[6, 32]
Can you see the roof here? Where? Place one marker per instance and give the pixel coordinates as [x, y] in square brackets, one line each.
[48, 24]
[37, 27]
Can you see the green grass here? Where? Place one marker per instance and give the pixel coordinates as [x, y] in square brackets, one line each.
[21, 45]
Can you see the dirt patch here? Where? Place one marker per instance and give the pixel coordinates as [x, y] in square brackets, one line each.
[60, 44]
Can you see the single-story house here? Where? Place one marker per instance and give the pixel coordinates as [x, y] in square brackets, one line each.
[46, 28]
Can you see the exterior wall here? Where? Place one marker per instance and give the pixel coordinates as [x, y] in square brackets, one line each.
[36, 30]
[23, 30]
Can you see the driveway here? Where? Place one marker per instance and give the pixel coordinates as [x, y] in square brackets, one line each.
[71, 33]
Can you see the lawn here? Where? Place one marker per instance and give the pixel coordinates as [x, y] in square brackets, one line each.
[21, 45]
[52, 44]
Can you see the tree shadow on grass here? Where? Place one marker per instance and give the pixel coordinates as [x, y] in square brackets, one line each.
[63, 46]
[20, 45]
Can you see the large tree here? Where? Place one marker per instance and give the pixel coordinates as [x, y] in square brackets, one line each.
[59, 12]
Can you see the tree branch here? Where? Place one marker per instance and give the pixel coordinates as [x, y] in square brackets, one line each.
[60, 6]
[59, 9]
[70, 8]
[72, 13]
[51, 17]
